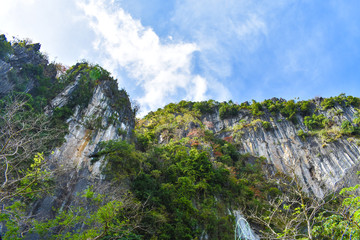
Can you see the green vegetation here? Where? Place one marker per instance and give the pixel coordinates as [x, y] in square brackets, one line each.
[256, 108]
[205, 107]
[106, 219]
[121, 157]
[341, 100]
[5, 47]
[302, 134]
[228, 110]
[342, 223]
[190, 191]
[176, 179]
[315, 121]
[266, 125]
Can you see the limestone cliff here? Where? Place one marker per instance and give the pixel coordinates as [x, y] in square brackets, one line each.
[12, 67]
[186, 151]
[98, 121]
[107, 115]
[321, 164]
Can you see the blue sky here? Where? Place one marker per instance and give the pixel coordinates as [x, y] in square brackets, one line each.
[166, 51]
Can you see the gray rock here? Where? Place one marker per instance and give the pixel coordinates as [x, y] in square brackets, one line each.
[320, 167]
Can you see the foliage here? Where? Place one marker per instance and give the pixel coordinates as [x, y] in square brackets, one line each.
[315, 121]
[341, 100]
[23, 134]
[105, 219]
[122, 160]
[256, 108]
[344, 222]
[228, 110]
[31, 184]
[288, 109]
[182, 182]
[205, 106]
[302, 134]
[347, 127]
[5, 47]
[328, 103]
[266, 125]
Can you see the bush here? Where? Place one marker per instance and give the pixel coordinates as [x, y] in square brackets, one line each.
[289, 110]
[328, 103]
[266, 125]
[305, 108]
[315, 121]
[302, 134]
[5, 47]
[347, 127]
[205, 106]
[121, 159]
[228, 110]
[256, 108]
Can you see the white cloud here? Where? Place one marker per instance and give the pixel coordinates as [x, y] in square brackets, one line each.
[162, 70]
[224, 31]
[57, 24]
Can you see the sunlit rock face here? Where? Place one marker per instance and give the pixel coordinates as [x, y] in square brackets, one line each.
[89, 126]
[98, 121]
[321, 166]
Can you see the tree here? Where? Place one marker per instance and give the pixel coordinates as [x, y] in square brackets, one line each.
[294, 214]
[5, 47]
[26, 176]
[343, 222]
[23, 134]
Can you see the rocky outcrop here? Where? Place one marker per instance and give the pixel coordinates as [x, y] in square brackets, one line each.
[321, 165]
[99, 121]
[5, 84]
[13, 64]
[89, 126]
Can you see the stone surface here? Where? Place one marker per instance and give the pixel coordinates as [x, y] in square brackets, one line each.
[21, 55]
[83, 138]
[320, 166]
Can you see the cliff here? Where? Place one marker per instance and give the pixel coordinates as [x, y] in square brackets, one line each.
[323, 163]
[325, 158]
[104, 114]
[189, 170]
[13, 64]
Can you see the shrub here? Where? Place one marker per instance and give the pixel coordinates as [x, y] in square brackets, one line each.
[205, 106]
[288, 110]
[5, 47]
[347, 127]
[315, 121]
[328, 103]
[121, 159]
[228, 110]
[266, 125]
[256, 108]
[302, 134]
[305, 107]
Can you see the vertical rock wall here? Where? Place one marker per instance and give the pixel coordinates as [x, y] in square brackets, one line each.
[88, 127]
[320, 165]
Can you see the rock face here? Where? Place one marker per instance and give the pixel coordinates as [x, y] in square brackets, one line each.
[10, 68]
[89, 126]
[320, 165]
[5, 84]
[98, 121]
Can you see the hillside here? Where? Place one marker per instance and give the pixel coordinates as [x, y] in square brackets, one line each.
[77, 164]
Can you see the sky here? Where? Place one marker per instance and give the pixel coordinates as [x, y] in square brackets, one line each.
[167, 51]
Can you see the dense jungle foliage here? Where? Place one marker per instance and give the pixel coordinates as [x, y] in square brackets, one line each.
[176, 179]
